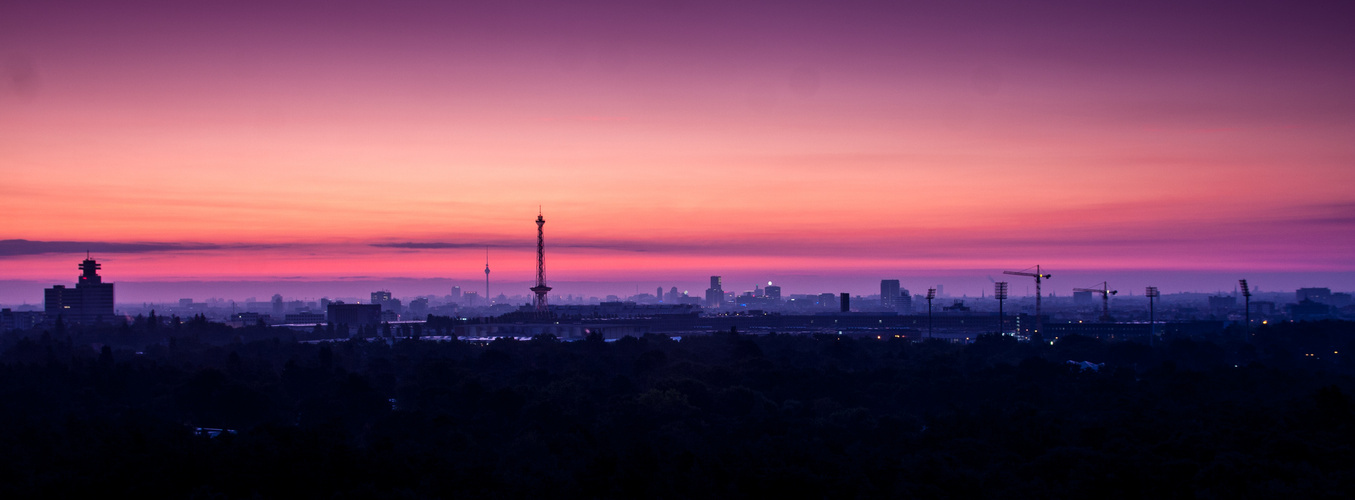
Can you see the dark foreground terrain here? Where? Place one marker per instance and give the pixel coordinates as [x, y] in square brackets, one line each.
[724, 415]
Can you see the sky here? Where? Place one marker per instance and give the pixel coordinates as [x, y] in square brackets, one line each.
[825, 144]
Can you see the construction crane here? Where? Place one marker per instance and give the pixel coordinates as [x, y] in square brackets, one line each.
[1039, 276]
[1105, 292]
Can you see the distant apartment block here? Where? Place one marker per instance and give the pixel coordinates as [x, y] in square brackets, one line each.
[1319, 295]
[19, 320]
[304, 317]
[354, 314]
[1222, 302]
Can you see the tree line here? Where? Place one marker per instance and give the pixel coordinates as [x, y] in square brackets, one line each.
[724, 414]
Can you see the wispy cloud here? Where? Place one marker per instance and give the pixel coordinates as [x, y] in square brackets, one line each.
[615, 245]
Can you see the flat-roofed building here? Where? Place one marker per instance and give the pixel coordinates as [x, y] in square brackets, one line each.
[354, 314]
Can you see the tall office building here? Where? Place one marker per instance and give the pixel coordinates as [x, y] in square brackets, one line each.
[889, 294]
[90, 302]
[772, 292]
[715, 295]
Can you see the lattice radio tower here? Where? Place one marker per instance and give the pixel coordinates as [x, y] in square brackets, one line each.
[540, 289]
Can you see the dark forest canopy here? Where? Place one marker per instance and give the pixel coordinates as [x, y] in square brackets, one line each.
[722, 415]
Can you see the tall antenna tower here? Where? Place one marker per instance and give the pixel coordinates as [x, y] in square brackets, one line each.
[487, 276]
[540, 289]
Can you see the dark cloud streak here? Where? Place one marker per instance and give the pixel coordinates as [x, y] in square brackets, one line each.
[16, 248]
[439, 245]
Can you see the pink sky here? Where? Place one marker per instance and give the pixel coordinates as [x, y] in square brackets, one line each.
[676, 139]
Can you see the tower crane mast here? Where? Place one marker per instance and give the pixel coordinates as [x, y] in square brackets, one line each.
[1039, 276]
[1105, 292]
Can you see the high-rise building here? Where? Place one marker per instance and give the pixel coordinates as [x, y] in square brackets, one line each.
[772, 292]
[456, 293]
[889, 294]
[380, 296]
[715, 295]
[846, 302]
[90, 302]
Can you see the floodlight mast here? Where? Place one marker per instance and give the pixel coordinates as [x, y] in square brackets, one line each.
[1000, 293]
[931, 294]
[1039, 322]
[1152, 294]
[1105, 292]
[1246, 297]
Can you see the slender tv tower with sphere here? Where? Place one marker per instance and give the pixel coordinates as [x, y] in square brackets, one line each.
[540, 289]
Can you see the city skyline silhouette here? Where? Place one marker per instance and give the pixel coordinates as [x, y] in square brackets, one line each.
[823, 249]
